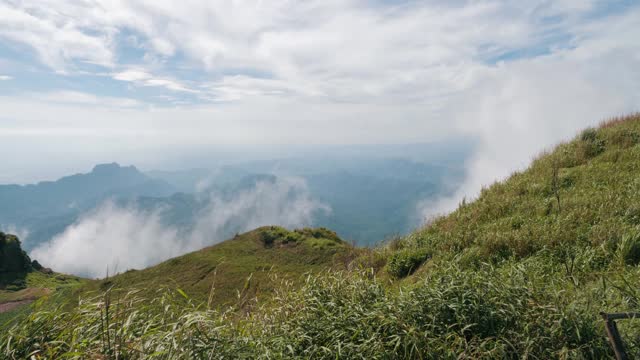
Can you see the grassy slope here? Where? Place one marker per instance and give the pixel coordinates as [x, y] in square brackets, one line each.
[240, 266]
[598, 185]
[20, 281]
[38, 285]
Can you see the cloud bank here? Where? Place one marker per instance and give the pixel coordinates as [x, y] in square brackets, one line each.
[116, 238]
[154, 75]
[526, 107]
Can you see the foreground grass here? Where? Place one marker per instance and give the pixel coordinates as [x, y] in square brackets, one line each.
[518, 310]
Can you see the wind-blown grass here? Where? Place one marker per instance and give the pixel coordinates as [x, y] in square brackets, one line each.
[520, 309]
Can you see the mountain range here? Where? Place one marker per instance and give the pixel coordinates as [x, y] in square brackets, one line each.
[47, 208]
[366, 199]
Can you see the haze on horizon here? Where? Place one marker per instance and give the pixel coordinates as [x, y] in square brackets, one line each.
[161, 84]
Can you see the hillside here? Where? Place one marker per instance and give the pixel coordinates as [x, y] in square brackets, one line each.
[23, 280]
[583, 195]
[523, 271]
[244, 265]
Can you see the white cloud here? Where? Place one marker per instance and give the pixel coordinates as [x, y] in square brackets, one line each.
[518, 75]
[108, 238]
[143, 78]
[117, 238]
[5, 77]
[132, 75]
[81, 98]
[285, 201]
[524, 107]
[341, 50]
[57, 37]
[258, 121]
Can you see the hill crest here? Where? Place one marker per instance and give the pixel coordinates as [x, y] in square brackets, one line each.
[216, 274]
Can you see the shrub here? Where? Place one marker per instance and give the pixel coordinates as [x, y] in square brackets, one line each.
[406, 261]
[272, 234]
[319, 233]
[316, 237]
[588, 150]
[396, 243]
[567, 181]
[292, 237]
[632, 215]
[590, 145]
[589, 135]
[17, 284]
[516, 222]
[12, 257]
[629, 249]
[36, 265]
[625, 138]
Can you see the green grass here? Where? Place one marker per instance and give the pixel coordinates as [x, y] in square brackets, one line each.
[8, 318]
[237, 271]
[38, 285]
[594, 204]
[521, 272]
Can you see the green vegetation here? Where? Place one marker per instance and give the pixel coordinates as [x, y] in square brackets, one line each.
[521, 272]
[567, 201]
[23, 281]
[14, 263]
[38, 284]
[18, 273]
[319, 238]
[237, 271]
[404, 262]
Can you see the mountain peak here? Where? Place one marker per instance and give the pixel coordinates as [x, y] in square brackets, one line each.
[111, 168]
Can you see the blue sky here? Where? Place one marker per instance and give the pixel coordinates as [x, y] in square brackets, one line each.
[163, 53]
[106, 79]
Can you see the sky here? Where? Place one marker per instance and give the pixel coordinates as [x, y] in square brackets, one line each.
[140, 81]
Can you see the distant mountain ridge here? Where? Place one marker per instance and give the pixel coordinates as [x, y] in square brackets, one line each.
[49, 206]
[371, 197]
[76, 190]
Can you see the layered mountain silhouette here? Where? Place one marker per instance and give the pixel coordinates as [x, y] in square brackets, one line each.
[46, 208]
[369, 198]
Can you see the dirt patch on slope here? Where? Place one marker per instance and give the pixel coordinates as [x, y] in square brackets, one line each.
[8, 306]
[10, 300]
